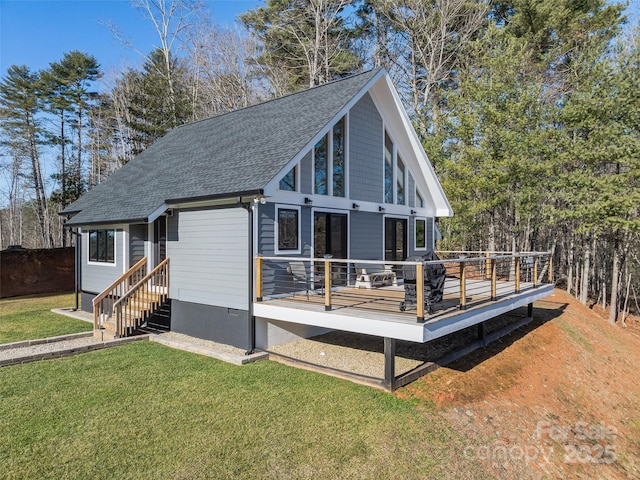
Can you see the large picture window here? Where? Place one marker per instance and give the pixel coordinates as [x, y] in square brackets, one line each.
[288, 230]
[330, 162]
[400, 181]
[388, 169]
[102, 246]
[320, 167]
[421, 234]
[338, 159]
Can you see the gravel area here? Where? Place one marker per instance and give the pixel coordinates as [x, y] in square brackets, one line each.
[9, 353]
[364, 354]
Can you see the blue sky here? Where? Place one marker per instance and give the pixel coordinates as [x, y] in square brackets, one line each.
[38, 32]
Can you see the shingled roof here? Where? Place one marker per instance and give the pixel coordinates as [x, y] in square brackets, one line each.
[233, 154]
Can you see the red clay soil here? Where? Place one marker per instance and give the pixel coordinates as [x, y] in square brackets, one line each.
[559, 398]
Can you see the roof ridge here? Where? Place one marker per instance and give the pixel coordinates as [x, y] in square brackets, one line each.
[350, 77]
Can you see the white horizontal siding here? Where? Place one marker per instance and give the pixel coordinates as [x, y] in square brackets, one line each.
[209, 257]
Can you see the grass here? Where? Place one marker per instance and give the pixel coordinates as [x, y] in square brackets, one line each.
[28, 318]
[144, 410]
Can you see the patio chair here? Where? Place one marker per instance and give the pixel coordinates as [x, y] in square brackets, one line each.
[300, 276]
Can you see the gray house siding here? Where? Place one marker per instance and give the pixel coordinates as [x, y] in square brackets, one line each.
[209, 257]
[306, 172]
[366, 235]
[274, 274]
[137, 238]
[94, 278]
[208, 249]
[97, 277]
[365, 152]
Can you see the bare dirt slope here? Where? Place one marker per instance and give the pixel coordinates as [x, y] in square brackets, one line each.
[557, 399]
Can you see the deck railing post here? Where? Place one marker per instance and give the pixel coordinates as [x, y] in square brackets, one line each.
[517, 272]
[258, 279]
[420, 292]
[550, 274]
[494, 278]
[463, 286]
[327, 285]
[487, 266]
[535, 271]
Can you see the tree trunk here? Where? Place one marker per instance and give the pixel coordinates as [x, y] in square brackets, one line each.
[615, 273]
[570, 257]
[586, 267]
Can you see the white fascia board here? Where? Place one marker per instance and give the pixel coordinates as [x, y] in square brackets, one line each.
[391, 113]
[337, 321]
[159, 211]
[272, 186]
[473, 316]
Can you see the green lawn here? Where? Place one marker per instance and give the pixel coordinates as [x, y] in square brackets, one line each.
[27, 318]
[146, 411]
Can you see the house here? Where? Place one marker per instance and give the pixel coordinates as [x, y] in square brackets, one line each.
[333, 172]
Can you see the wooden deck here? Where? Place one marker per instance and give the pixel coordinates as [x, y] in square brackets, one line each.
[377, 312]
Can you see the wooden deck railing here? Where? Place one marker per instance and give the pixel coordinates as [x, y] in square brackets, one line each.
[144, 298]
[103, 303]
[470, 275]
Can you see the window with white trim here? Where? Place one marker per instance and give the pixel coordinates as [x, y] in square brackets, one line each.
[288, 230]
[420, 234]
[330, 162]
[419, 200]
[388, 169]
[395, 174]
[289, 182]
[400, 181]
[102, 246]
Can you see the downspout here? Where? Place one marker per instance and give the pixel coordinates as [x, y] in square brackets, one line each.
[77, 250]
[251, 340]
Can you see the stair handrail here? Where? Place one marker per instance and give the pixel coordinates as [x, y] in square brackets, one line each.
[137, 286]
[120, 282]
[162, 269]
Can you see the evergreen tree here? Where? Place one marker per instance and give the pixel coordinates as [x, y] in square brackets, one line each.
[20, 106]
[305, 42]
[151, 112]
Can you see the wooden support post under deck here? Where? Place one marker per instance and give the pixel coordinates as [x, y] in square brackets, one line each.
[420, 292]
[494, 278]
[463, 286]
[530, 310]
[517, 273]
[327, 285]
[535, 271]
[258, 279]
[390, 363]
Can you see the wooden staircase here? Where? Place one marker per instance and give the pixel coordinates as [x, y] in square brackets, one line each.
[122, 308]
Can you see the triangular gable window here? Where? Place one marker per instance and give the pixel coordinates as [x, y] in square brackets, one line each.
[289, 181]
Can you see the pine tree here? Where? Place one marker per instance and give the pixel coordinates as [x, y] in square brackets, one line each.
[20, 106]
[305, 42]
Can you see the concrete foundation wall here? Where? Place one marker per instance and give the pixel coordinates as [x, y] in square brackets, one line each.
[219, 324]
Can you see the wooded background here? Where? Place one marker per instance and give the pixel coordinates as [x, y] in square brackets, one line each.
[529, 111]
